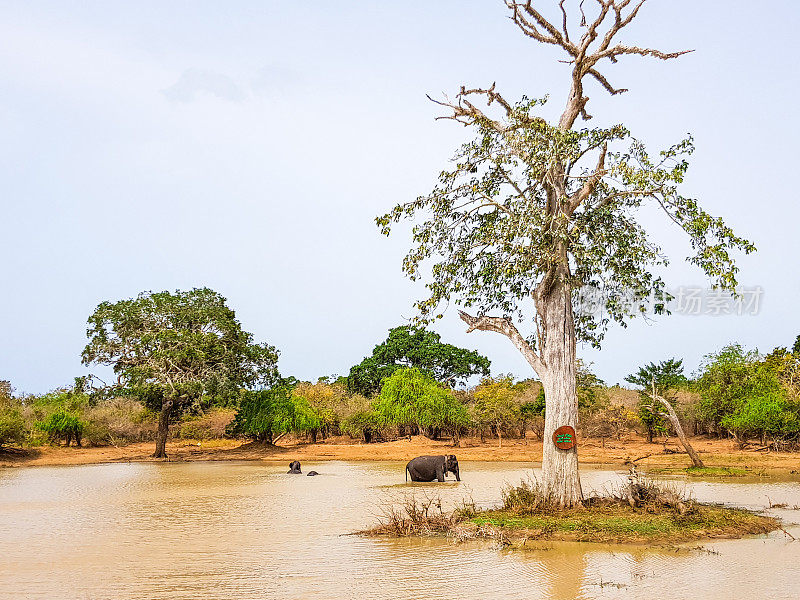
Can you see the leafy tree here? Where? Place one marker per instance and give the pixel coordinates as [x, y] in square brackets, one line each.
[495, 403]
[409, 346]
[727, 379]
[13, 429]
[796, 347]
[769, 414]
[410, 397]
[171, 348]
[265, 414]
[325, 401]
[750, 396]
[62, 424]
[668, 377]
[533, 210]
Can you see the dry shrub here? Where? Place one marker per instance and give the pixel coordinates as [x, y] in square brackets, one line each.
[414, 516]
[119, 421]
[208, 426]
[528, 497]
[654, 495]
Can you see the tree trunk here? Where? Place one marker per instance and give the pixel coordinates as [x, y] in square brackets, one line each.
[499, 435]
[560, 477]
[163, 430]
[676, 424]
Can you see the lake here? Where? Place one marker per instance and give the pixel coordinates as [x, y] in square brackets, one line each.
[247, 530]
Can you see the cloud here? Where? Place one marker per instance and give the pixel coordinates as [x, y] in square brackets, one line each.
[271, 78]
[194, 81]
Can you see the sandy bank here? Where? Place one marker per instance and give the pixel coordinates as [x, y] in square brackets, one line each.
[715, 453]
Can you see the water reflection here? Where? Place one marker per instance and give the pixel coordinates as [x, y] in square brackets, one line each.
[247, 530]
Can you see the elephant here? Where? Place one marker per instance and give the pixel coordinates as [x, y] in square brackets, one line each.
[312, 473]
[428, 468]
[294, 468]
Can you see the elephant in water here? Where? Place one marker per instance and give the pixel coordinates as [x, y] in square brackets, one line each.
[312, 473]
[428, 468]
[294, 468]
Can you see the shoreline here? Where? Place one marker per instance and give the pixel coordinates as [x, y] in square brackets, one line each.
[718, 455]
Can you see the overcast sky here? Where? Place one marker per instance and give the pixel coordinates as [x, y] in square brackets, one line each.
[248, 146]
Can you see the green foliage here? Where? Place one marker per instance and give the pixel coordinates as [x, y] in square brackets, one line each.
[181, 345]
[13, 429]
[767, 415]
[750, 396]
[324, 400]
[493, 230]
[496, 403]
[362, 424]
[409, 346]
[62, 424]
[264, 414]
[412, 397]
[667, 376]
[796, 347]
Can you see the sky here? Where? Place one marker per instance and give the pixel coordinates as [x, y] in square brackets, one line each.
[248, 147]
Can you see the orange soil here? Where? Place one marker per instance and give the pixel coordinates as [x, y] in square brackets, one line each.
[715, 453]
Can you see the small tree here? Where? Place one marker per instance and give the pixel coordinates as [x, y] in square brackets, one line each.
[668, 376]
[265, 414]
[664, 378]
[496, 404]
[171, 348]
[409, 346]
[325, 400]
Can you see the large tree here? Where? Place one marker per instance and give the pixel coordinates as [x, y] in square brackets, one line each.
[532, 215]
[171, 348]
[409, 346]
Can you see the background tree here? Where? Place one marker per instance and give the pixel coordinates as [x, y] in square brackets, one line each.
[668, 376]
[664, 378]
[12, 425]
[410, 397]
[495, 404]
[751, 397]
[409, 346]
[532, 210]
[170, 348]
[325, 400]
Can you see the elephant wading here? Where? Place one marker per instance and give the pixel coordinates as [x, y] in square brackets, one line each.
[428, 468]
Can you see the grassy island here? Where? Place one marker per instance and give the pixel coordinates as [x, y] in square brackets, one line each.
[645, 512]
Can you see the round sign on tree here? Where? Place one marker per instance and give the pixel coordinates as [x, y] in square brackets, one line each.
[564, 437]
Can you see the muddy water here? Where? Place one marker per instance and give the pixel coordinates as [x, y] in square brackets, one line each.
[248, 530]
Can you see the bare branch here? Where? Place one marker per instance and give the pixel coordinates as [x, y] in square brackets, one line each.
[604, 82]
[590, 184]
[619, 49]
[506, 327]
[537, 25]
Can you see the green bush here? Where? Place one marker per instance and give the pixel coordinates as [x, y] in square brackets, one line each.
[410, 397]
[12, 426]
[62, 424]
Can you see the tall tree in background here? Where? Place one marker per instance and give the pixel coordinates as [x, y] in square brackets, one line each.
[409, 346]
[171, 348]
[538, 211]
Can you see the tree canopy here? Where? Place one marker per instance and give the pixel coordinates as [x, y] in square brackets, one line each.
[174, 347]
[409, 346]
